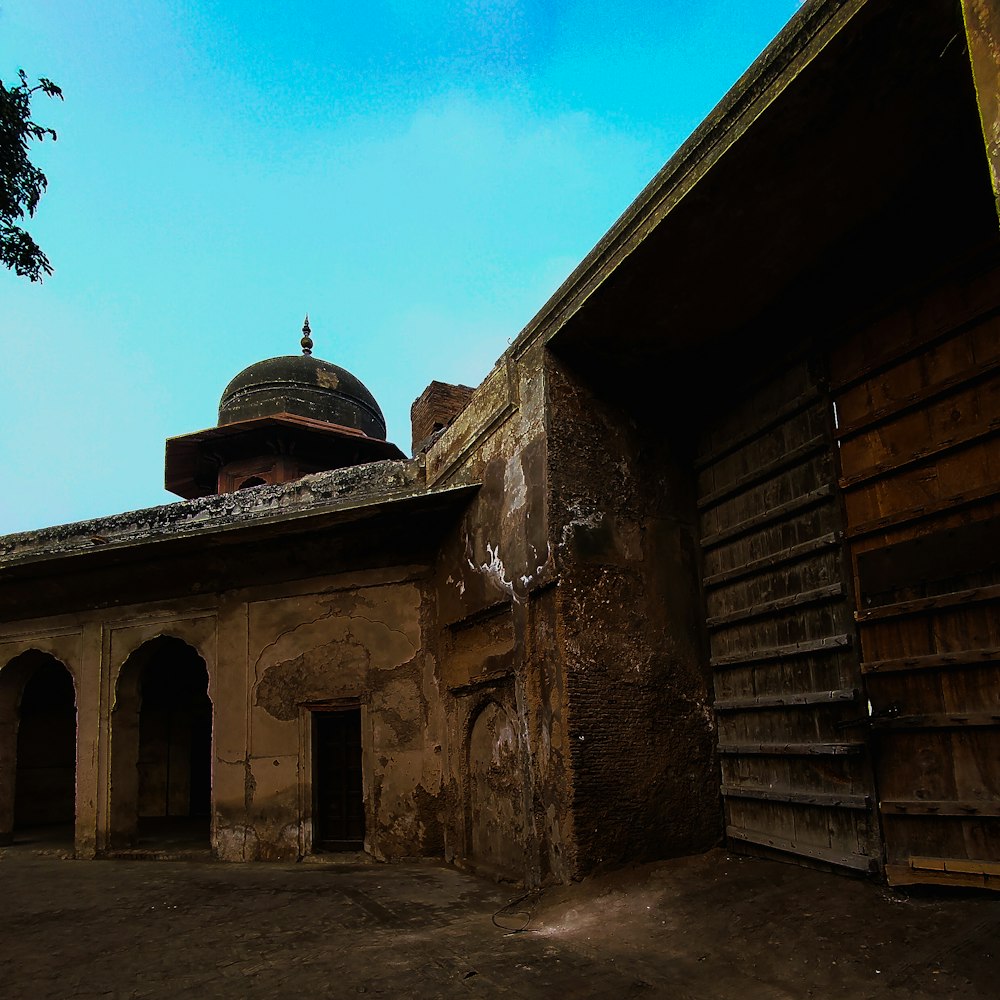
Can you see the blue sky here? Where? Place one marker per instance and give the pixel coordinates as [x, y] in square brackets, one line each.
[419, 176]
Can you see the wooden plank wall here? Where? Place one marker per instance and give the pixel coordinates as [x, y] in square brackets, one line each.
[918, 408]
[780, 622]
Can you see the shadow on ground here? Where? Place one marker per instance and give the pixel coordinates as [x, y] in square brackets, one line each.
[713, 926]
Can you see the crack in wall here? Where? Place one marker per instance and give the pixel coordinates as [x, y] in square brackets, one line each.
[289, 631]
[388, 628]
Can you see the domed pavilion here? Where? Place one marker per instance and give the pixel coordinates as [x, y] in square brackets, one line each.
[280, 419]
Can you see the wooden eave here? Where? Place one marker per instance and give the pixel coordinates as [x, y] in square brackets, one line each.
[190, 457]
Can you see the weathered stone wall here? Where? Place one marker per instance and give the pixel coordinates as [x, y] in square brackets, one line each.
[532, 705]
[272, 654]
[628, 628]
[360, 644]
[499, 682]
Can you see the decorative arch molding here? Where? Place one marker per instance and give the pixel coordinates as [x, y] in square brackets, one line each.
[16, 672]
[19, 666]
[63, 647]
[200, 633]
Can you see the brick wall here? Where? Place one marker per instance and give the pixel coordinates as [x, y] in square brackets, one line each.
[434, 409]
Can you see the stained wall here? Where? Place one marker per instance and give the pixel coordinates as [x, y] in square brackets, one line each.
[273, 655]
[641, 733]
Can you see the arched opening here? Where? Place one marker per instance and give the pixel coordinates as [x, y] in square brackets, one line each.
[37, 750]
[161, 748]
[495, 821]
[251, 482]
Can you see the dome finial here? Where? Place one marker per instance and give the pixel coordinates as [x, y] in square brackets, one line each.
[307, 344]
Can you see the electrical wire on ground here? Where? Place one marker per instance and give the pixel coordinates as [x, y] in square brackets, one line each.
[508, 910]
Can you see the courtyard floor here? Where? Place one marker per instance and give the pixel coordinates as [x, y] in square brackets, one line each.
[713, 926]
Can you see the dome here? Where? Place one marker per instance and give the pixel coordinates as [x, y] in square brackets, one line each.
[304, 386]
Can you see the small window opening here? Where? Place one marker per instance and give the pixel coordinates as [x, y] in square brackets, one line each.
[252, 481]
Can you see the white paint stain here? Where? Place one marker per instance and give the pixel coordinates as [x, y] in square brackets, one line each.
[505, 743]
[495, 570]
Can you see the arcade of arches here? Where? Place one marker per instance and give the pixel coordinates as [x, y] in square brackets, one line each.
[161, 730]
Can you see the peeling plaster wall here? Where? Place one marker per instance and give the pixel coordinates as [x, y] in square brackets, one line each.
[568, 600]
[271, 653]
[493, 637]
[550, 653]
[317, 649]
[629, 632]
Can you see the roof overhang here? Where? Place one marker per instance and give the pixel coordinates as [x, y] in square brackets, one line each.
[861, 113]
[192, 461]
[226, 542]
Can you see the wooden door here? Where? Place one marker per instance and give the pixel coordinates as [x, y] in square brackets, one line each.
[338, 806]
[918, 407]
[780, 624]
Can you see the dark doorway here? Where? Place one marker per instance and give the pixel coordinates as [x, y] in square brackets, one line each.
[175, 739]
[338, 803]
[44, 720]
[161, 782]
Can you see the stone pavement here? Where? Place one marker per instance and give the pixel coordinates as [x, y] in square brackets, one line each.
[707, 927]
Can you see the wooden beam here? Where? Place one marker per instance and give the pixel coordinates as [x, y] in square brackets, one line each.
[982, 33]
[786, 700]
[914, 400]
[919, 605]
[828, 644]
[939, 720]
[922, 512]
[748, 433]
[844, 859]
[963, 865]
[974, 306]
[769, 516]
[905, 875]
[937, 661]
[930, 807]
[794, 553]
[824, 799]
[764, 472]
[818, 596]
[791, 749]
[884, 470]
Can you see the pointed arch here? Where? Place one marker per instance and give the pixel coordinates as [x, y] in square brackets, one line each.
[161, 742]
[38, 743]
[495, 821]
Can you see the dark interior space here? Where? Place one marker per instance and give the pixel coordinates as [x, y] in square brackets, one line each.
[161, 781]
[175, 739]
[338, 808]
[45, 785]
